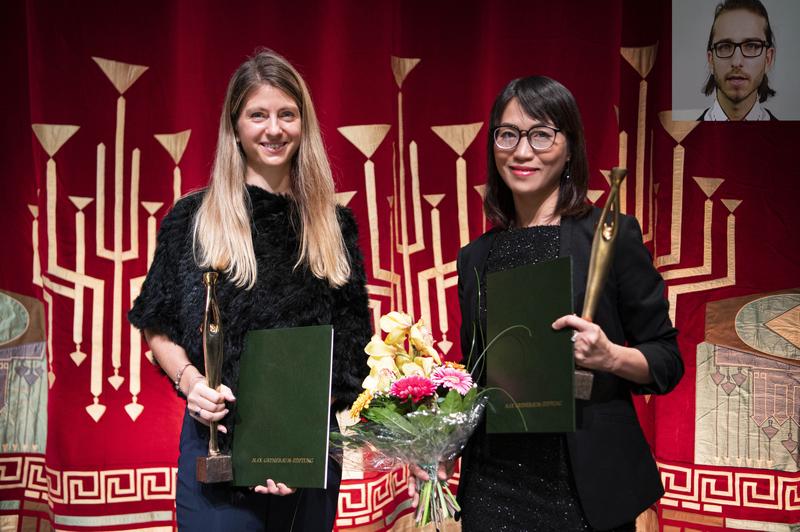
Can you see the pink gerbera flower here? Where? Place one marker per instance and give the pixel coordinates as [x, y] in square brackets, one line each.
[456, 379]
[414, 386]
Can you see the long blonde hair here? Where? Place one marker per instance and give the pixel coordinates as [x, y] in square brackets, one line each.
[222, 236]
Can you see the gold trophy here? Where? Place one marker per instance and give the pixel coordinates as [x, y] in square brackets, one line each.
[602, 251]
[216, 467]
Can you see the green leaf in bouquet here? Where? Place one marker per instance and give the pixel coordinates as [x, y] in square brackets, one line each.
[469, 399]
[423, 420]
[391, 419]
[452, 402]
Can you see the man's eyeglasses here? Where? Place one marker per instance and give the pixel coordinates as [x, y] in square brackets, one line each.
[726, 49]
[539, 137]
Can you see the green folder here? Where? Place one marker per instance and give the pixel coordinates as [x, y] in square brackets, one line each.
[283, 402]
[533, 374]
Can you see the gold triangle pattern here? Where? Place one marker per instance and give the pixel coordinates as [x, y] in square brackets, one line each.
[34, 210]
[641, 58]
[607, 175]
[174, 143]
[116, 381]
[80, 201]
[121, 75]
[78, 357]
[96, 411]
[458, 137]
[343, 198]
[401, 66]
[731, 204]
[787, 325]
[481, 190]
[365, 138]
[676, 129]
[594, 195]
[708, 184]
[53, 136]
[133, 409]
[433, 199]
[152, 206]
[444, 345]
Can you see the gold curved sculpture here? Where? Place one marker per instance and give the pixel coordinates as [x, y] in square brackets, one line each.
[599, 262]
[216, 467]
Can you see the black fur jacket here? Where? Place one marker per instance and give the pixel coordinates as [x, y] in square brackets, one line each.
[173, 296]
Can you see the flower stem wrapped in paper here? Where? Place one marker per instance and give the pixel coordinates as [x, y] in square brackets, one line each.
[415, 410]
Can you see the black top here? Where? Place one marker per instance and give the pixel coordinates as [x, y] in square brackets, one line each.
[518, 247]
[528, 472]
[173, 295]
[611, 464]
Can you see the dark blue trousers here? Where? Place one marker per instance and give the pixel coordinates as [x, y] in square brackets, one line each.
[219, 507]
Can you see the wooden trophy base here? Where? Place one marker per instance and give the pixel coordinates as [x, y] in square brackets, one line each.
[583, 384]
[212, 469]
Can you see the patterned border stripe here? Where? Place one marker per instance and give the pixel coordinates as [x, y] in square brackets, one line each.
[37, 477]
[111, 520]
[83, 487]
[792, 495]
[86, 487]
[729, 489]
[368, 501]
[11, 472]
[157, 482]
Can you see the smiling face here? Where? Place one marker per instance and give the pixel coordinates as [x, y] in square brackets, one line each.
[531, 175]
[268, 130]
[738, 77]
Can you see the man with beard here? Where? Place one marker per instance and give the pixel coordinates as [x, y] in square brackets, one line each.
[740, 51]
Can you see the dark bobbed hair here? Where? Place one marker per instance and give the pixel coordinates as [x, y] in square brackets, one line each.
[757, 8]
[542, 98]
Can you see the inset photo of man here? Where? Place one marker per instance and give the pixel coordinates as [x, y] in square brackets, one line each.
[725, 64]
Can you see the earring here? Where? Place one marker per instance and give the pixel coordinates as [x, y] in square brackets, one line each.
[566, 172]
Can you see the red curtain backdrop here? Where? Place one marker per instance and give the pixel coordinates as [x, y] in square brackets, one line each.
[111, 109]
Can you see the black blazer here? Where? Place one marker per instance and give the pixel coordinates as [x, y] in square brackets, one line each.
[614, 471]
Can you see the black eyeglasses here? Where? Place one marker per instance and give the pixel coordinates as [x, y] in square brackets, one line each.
[539, 137]
[752, 48]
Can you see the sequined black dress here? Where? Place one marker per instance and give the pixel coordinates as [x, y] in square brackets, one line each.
[519, 481]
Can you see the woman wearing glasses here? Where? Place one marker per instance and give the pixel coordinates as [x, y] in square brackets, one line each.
[602, 476]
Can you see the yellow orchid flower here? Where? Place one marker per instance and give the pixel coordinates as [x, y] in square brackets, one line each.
[422, 340]
[403, 358]
[410, 368]
[378, 348]
[396, 326]
[383, 371]
[426, 363]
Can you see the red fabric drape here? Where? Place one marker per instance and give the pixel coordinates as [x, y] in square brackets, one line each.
[428, 71]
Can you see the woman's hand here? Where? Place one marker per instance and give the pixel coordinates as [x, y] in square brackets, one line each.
[274, 489]
[593, 350]
[206, 404]
[417, 473]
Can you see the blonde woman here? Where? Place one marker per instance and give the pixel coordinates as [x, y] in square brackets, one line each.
[287, 256]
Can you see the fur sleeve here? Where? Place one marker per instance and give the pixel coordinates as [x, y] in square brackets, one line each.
[352, 325]
[158, 305]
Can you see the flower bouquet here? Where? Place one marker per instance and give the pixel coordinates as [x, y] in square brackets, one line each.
[415, 409]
